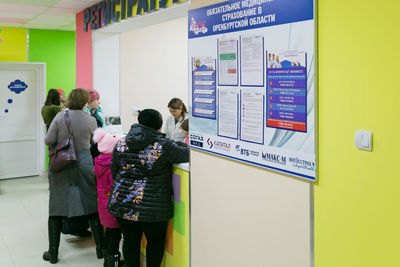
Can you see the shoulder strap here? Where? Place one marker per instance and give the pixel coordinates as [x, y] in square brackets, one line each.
[66, 117]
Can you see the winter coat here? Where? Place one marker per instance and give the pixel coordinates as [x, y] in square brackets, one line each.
[73, 190]
[141, 167]
[49, 112]
[104, 183]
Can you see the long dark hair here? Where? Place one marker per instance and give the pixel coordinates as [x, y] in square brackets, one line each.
[53, 98]
[176, 103]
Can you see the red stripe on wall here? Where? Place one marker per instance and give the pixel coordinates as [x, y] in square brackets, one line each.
[84, 74]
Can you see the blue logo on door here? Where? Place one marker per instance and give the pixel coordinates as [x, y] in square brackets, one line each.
[17, 86]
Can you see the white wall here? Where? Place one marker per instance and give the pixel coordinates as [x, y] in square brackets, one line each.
[153, 68]
[106, 71]
[247, 216]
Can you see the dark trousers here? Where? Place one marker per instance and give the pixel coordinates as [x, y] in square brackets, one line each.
[155, 233]
[112, 237]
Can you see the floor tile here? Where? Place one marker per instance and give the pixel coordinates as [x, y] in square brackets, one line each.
[23, 228]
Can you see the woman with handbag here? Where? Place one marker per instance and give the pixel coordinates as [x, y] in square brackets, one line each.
[55, 102]
[72, 188]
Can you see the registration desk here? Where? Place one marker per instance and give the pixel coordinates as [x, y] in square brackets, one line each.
[177, 243]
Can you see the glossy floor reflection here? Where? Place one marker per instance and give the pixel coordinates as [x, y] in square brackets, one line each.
[23, 228]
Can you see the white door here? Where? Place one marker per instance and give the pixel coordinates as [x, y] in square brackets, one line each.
[22, 92]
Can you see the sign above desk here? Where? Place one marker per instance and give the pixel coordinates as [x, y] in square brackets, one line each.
[110, 11]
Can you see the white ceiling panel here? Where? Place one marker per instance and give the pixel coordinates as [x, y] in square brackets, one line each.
[64, 22]
[21, 8]
[5, 14]
[91, 1]
[42, 14]
[60, 11]
[42, 26]
[56, 17]
[73, 4]
[12, 25]
[32, 2]
[67, 28]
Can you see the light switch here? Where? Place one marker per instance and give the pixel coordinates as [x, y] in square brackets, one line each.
[363, 140]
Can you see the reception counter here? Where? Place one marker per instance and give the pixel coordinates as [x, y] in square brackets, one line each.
[177, 243]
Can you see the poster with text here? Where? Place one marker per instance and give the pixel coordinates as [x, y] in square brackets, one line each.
[252, 83]
[287, 90]
[203, 87]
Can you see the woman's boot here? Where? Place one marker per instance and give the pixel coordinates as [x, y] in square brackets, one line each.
[54, 229]
[98, 233]
[105, 252]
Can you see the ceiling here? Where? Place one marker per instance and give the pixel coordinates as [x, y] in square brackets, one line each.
[42, 14]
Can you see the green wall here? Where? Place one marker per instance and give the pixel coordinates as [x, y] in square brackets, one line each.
[57, 50]
[357, 199]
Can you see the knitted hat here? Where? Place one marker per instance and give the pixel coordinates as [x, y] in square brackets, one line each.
[94, 95]
[150, 118]
[105, 142]
[60, 91]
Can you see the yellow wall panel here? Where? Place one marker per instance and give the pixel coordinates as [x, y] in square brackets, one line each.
[13, 44]
[358, 195]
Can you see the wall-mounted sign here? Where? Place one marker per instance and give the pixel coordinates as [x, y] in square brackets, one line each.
[252, 83]
[109, 11]
[17, 86]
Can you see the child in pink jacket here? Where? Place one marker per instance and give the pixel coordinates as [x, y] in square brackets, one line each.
[105, 144]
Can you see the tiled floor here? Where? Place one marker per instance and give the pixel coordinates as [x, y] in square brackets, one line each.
[23, 228]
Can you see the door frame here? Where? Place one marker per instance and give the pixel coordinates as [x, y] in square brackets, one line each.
[40, 71]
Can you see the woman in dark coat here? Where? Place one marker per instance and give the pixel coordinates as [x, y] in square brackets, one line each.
[141, 196]
[51, 107]
[73, 189]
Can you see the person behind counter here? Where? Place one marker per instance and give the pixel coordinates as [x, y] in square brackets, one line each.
[185, 130]
[140, 197]
[178, 114]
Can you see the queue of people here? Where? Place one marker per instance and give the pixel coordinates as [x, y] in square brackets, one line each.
[122, 186]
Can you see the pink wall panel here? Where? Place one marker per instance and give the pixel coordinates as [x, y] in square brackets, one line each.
[84, 75]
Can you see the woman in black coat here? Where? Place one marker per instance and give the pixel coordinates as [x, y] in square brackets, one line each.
[141, 196]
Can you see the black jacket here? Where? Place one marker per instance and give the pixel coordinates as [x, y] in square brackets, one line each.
[141, 167]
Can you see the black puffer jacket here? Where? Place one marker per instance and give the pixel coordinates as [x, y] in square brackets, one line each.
[141, 167]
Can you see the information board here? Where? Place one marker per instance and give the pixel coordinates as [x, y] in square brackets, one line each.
[252, 83]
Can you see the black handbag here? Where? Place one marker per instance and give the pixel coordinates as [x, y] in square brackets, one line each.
[63, 154]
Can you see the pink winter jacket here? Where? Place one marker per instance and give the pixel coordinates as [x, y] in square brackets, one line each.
[104, 183]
